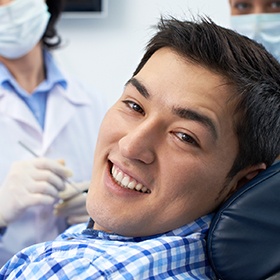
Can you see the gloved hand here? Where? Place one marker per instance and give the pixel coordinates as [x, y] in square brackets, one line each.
[72, 205]
[34, 182]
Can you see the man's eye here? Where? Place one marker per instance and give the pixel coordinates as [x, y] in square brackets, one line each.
[134, 106]
[186, 138]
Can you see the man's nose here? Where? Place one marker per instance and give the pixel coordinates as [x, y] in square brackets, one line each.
[140, 142]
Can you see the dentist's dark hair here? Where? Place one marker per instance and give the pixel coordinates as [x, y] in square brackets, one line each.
[51, 38]
[249, 71]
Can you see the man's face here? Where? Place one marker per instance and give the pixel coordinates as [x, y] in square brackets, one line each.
[242, 7]
[169, 143]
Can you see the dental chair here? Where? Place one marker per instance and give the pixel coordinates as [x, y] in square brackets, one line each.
[244, 238]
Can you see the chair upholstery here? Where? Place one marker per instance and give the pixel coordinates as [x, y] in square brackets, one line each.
[244, 237]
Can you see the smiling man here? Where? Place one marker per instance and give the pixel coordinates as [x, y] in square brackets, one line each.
[197, 120]
[173, 130]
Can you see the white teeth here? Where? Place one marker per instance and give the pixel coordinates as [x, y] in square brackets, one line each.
[127, 182]
[144, 189]
[114, 171]
[131, 185]
[138, 187]
[119, 177]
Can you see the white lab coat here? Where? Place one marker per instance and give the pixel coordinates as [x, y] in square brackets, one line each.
[71, 126]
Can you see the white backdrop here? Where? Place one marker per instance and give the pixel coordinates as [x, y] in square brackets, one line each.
[104, 52]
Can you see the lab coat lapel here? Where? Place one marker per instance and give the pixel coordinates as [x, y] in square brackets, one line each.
[12, 106]
[59, 111]
[62, 105]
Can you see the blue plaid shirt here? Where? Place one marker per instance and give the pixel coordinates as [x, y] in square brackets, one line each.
[178, 254]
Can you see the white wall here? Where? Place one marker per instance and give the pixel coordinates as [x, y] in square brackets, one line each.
[104, 52]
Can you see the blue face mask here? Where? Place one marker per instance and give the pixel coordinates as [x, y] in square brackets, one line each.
[263, 28]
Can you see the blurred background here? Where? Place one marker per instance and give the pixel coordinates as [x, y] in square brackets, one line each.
[103, 49]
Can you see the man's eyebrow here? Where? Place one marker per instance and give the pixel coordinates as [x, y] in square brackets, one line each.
[139, 86]
[195, 116]
[181, 112]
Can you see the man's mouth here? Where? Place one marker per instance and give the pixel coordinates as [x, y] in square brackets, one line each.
[127, 182]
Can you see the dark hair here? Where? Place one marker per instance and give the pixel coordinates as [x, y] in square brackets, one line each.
[250, 71]
[51, 39]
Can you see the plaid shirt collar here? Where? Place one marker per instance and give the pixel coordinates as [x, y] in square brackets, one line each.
[200, 225]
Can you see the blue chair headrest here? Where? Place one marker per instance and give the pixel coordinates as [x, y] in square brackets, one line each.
[244, 237]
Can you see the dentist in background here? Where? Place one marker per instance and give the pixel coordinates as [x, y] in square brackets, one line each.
[258, 20]
[46, 109]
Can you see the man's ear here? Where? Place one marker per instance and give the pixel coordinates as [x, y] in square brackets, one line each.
[249, 173]
[244, 176]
